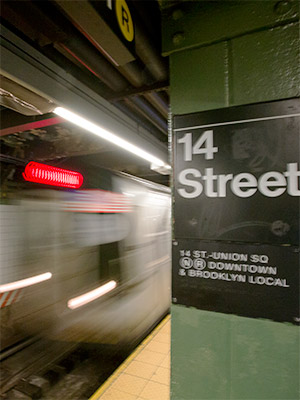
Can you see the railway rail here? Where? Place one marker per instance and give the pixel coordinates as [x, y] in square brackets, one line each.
[48, 370]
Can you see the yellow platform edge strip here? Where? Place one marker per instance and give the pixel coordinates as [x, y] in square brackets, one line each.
[128, 360]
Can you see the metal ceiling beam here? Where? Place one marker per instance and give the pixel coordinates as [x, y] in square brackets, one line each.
[156, 87]
[55, 30]
[158, 102]
[94, 27]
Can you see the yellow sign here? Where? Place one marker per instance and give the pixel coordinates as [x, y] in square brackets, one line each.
[124, 20]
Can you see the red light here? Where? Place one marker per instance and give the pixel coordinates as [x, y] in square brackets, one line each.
[48, 175]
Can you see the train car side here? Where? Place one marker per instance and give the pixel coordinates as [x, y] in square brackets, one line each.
[84, 240]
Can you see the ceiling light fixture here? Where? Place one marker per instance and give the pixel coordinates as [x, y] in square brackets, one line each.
[111, 137]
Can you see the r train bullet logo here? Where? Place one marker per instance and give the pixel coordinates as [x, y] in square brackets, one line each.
[125, 20]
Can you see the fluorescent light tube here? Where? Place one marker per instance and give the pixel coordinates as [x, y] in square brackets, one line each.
[111, 137]
[25, 282]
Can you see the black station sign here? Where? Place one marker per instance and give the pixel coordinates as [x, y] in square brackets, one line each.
[236, 174]
[257, 281]
[236, 210]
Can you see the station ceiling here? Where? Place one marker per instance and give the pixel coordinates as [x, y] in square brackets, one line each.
[112, 47]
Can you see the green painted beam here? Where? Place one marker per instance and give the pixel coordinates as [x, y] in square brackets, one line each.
[199, 23]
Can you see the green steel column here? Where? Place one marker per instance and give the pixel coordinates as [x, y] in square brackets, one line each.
[224, 54]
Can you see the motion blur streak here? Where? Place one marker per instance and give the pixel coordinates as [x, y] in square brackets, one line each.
[25, 282]
[103, 133]
[90, 296]
[46, 229]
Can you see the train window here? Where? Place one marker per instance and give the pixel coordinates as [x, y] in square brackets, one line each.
[98, 229]
[105, 231]
[110, 262]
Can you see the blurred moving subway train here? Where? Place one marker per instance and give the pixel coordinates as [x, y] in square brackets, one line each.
[88, 264]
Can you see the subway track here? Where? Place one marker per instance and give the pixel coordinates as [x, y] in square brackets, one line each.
[49, 370]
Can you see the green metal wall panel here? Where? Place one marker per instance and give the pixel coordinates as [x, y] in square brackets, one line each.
[264, 359]
[259, 67]
[203, 73]
[217, 356]
[200, 354]
[265, 65]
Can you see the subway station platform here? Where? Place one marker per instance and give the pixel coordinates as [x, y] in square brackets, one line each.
[145, 374]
